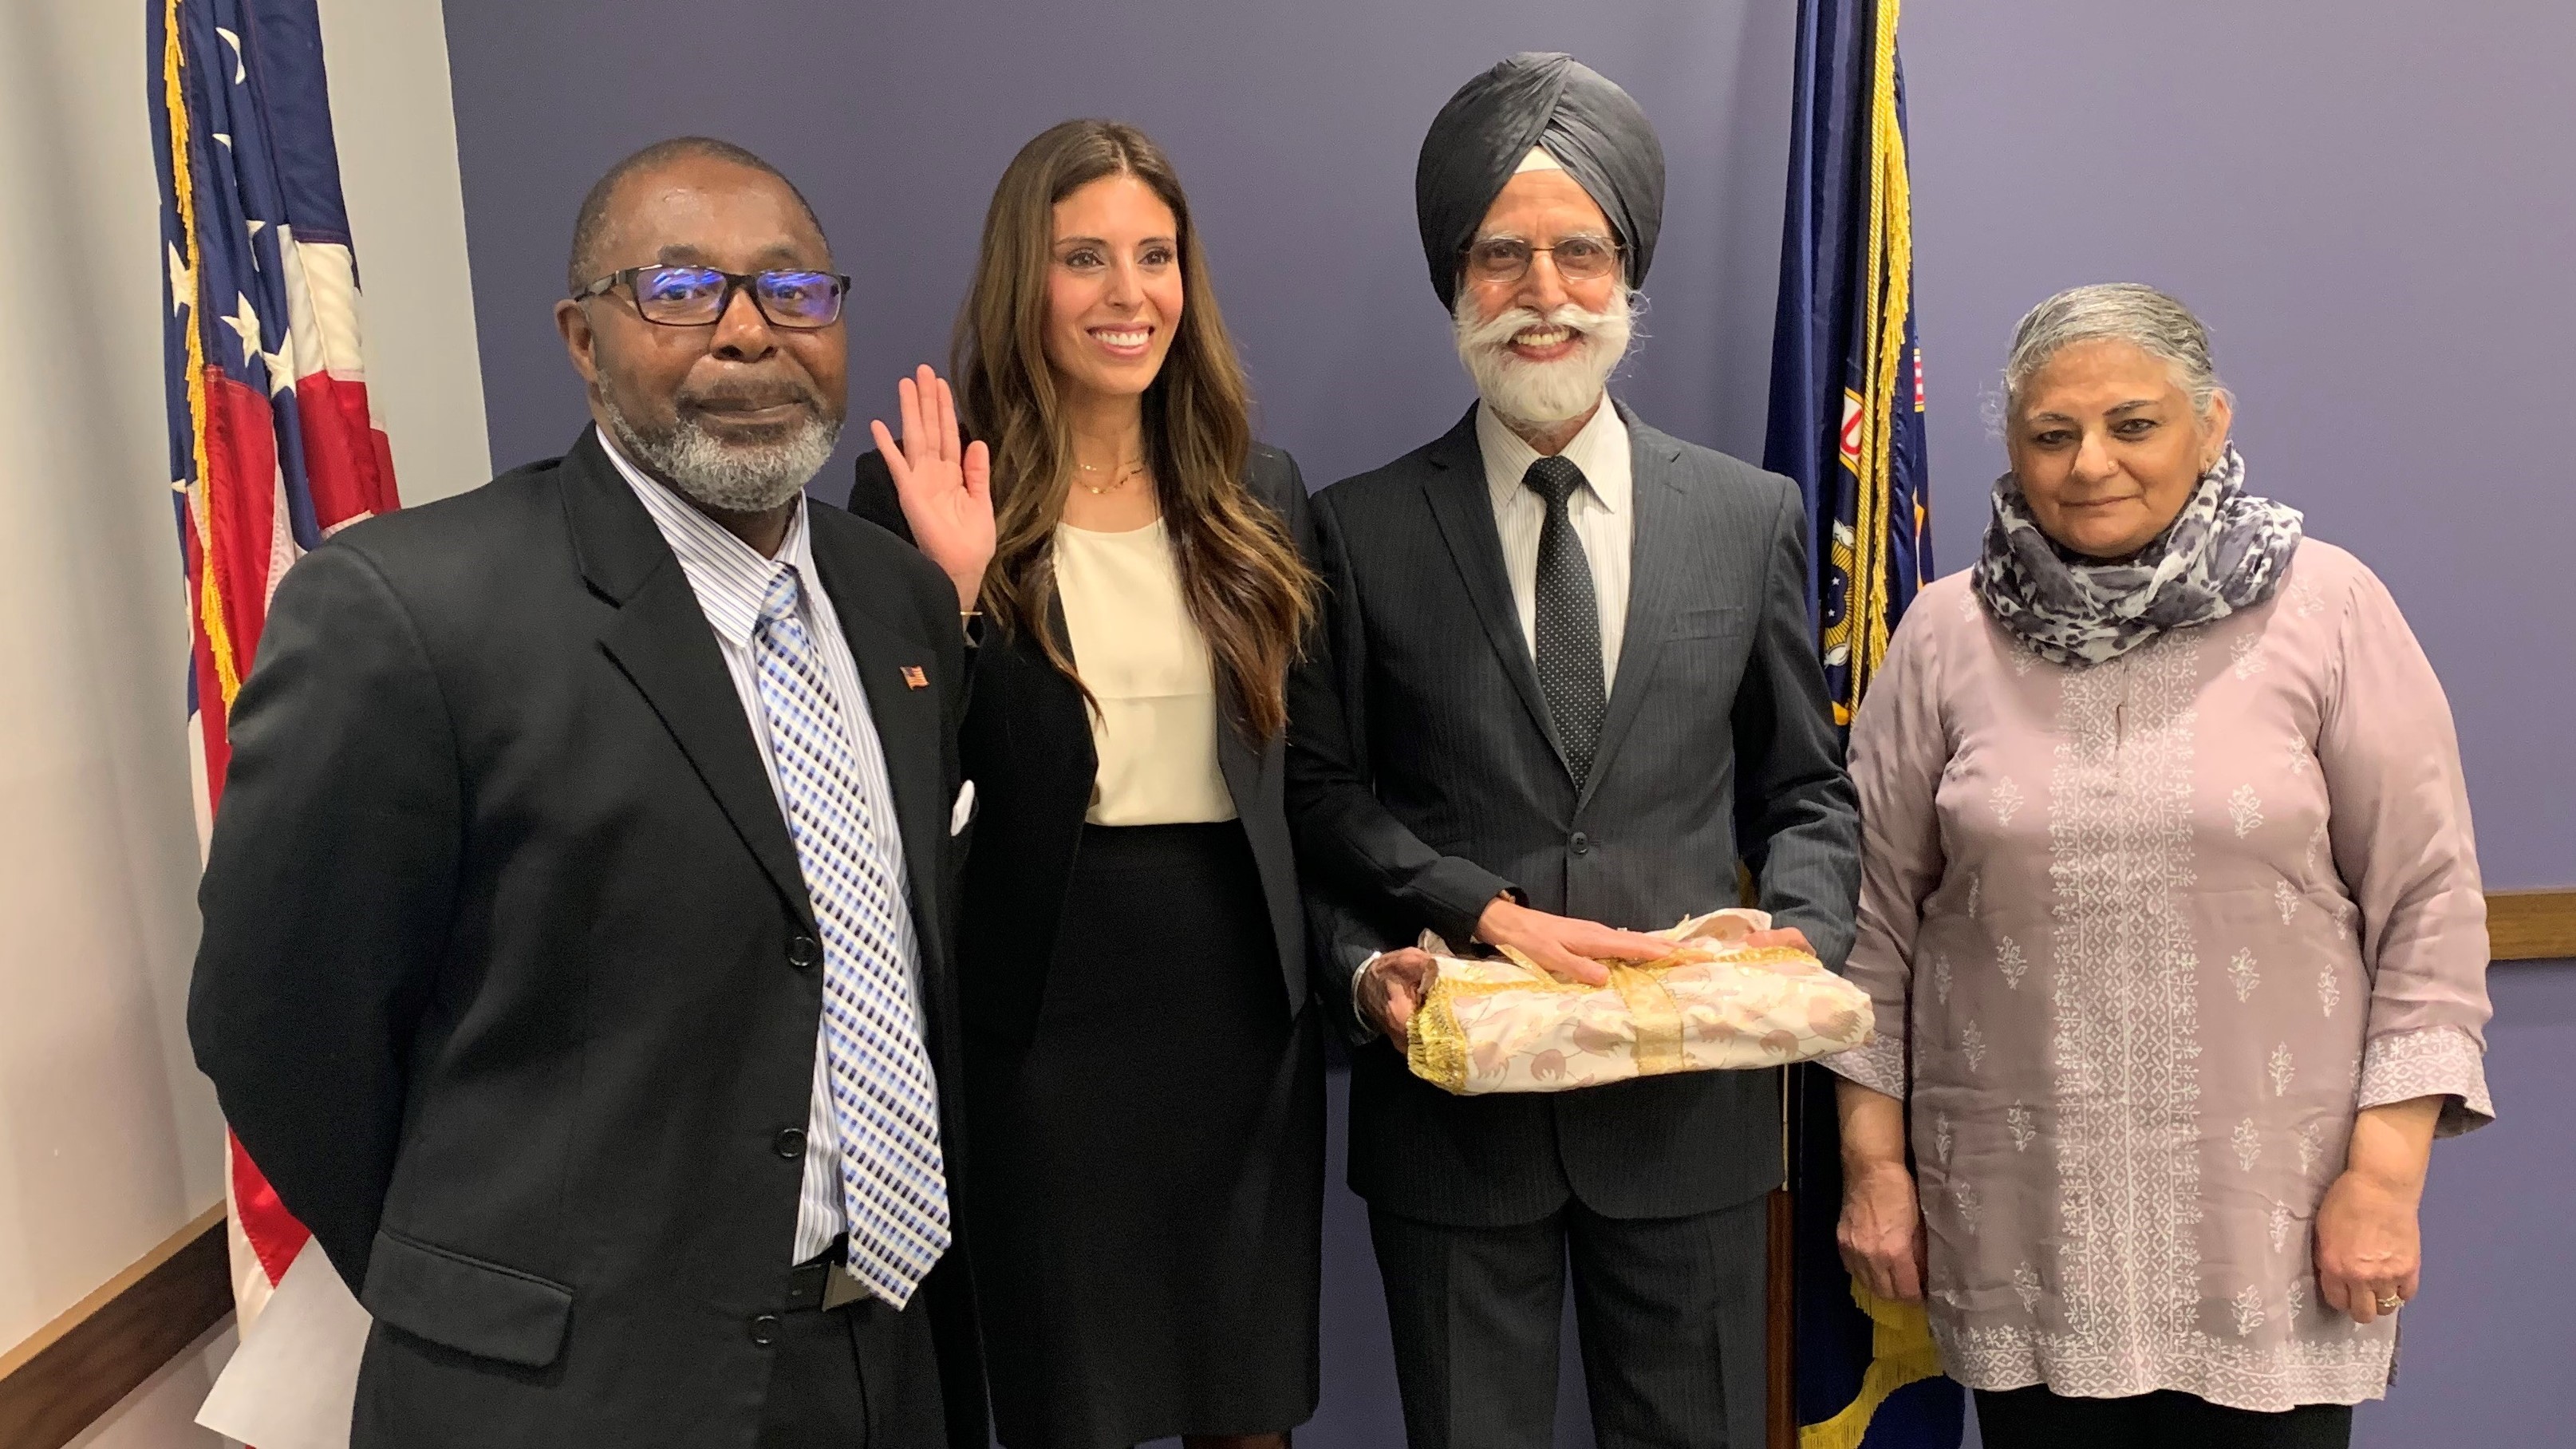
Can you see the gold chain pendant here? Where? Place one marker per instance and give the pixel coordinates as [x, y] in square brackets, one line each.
[1125, 472]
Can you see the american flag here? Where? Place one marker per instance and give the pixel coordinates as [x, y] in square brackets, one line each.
[272, 445]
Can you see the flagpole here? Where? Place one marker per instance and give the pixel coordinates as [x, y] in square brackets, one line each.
[1780, 1307]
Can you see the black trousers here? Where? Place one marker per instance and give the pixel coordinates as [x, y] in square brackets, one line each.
[1669, 1312]
[860, 1376]
[2036, 1418]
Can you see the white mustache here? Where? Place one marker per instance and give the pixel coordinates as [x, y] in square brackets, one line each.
[1497, 334]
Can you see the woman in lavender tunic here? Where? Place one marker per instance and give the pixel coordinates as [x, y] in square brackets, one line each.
[2171, 912]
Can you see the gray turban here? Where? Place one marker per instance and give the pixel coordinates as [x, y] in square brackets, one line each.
[1593, 129]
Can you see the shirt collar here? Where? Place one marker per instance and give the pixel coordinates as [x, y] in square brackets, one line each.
[1600, 450]
[728, 575]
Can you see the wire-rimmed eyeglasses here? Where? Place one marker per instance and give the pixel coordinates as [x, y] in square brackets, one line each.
[1506, 259]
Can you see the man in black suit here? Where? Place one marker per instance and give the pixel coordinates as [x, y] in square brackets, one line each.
[577, 920]
[1567, 684]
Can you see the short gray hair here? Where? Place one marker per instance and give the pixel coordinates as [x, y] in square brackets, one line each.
[590, 224]
[2130, 312]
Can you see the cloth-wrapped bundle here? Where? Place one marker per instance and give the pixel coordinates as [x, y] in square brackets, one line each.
[1714, 1003]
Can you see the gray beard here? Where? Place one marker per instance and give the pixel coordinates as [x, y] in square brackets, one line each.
[1542, 394]
[728, 477]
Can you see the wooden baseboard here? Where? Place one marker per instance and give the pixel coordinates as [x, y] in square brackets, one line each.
[79, 1366]
[2531, 925]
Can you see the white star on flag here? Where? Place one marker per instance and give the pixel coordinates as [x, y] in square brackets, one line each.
[183, 282]
[245, 324]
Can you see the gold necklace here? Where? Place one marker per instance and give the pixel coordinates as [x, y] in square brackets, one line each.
[1125, 472]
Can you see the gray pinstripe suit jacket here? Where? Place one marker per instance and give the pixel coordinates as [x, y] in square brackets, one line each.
[1424, 779]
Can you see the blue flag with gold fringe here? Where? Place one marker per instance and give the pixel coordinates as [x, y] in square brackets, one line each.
[1846, 365]
[1847, 423]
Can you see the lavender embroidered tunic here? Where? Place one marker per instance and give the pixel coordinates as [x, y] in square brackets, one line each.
[2143, 937]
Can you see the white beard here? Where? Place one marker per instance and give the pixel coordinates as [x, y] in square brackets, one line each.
[729, 477]
[1538, 394]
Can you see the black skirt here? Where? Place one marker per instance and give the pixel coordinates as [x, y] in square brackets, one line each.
[1145, 1188]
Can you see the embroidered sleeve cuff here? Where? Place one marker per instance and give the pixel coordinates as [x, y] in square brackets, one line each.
[1878, 1064]
[2433, 1061]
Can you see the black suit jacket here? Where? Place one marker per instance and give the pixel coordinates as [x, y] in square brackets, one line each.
[508, 977]
[1027, 746]
[1424, 780]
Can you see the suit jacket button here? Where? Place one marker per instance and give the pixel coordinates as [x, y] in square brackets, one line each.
[790, 1142]
[764, 1329]
[1581, 842]
[802, 951]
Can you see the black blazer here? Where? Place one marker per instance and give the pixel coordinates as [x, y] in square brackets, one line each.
[508, 977]
[1027, 746]
[1424, 780]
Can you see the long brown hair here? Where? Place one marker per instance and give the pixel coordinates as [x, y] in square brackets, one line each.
[1246, 588]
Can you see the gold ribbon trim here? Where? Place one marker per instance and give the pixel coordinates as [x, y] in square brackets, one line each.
[1657, 1016]
[1435, 1047]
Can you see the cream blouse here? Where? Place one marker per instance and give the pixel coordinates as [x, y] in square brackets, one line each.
[1145, 661]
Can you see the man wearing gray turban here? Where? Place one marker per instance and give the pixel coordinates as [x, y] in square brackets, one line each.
[1563, 685]
[1562, 109]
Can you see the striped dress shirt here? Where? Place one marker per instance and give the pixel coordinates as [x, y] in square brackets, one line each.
[730, 579]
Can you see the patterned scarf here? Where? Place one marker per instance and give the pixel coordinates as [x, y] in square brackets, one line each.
[2227, 550]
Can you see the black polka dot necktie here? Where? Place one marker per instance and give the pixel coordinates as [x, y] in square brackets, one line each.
[1568, 646]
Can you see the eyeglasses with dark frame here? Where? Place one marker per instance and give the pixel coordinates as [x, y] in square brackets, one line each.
[1506, 259]
[686, 296]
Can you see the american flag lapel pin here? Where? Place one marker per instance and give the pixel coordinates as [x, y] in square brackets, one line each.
[914, 678]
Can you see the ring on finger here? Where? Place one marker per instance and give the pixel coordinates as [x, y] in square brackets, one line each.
[2390, 1302]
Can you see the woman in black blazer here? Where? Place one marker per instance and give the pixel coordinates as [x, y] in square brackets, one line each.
[1143, 1193]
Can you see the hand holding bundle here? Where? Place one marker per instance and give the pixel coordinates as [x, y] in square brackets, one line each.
[1713, 1003]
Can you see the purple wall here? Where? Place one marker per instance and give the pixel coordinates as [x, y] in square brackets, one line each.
[1294, 126]
[2369, 204]
[2373, 207]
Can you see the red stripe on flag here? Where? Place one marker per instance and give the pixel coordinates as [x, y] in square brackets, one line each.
[241, 508]
[274, 1234]
[211, 723]
[384, 446]
[210, 716]
[344, 466]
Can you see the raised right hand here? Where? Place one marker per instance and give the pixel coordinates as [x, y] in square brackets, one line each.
[1567, 948]
[946, 491]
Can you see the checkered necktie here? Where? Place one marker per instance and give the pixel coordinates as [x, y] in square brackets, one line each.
[885, 1103]
[1568, 646]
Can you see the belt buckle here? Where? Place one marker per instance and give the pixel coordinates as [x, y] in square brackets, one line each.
[840, 1287]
